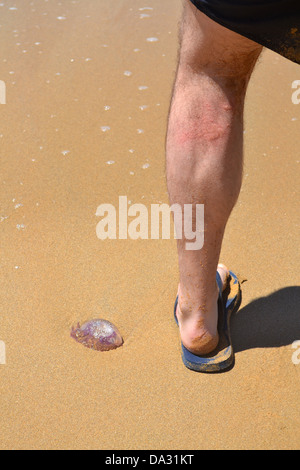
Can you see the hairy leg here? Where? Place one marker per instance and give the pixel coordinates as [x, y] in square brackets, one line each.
[205, 158]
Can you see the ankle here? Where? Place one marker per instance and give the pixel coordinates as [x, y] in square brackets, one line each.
[198, 305]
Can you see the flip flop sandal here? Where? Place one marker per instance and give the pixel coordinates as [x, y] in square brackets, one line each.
[223, 356]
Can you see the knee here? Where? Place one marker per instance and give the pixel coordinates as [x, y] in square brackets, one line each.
[207, 47]
[227, 77]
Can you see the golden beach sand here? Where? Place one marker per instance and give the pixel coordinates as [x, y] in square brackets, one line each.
[72, 70]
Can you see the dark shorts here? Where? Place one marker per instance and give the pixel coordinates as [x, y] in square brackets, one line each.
[274, 24]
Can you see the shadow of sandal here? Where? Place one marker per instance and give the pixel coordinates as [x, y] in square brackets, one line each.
[268, 322]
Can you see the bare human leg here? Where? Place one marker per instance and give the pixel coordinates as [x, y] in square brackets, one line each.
[205, 159]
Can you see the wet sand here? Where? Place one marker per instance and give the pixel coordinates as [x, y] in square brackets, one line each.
[66, 67]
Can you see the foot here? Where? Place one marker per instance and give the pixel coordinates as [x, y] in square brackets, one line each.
[198, 326]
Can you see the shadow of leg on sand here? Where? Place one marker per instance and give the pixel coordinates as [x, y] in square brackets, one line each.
[268, 322]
